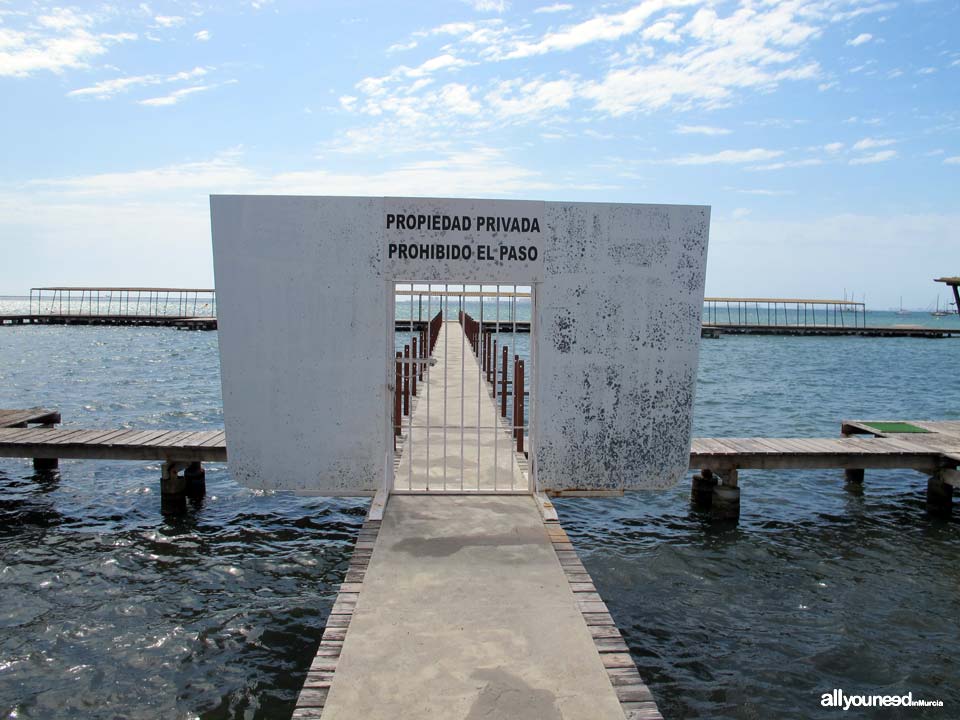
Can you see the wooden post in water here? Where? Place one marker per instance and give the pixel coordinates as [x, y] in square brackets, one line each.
[397, 393]
[406, 379]
[701, 490]
[726, 497]
[518, 389]
[415, 369]
[940, 491]
[503, 385]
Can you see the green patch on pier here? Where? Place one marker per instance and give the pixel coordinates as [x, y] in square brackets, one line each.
[895, 427]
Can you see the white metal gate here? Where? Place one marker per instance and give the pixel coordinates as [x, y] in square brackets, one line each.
[463, 374]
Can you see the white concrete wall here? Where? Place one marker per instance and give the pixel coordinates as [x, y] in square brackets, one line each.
[618, 323]
[303, 330]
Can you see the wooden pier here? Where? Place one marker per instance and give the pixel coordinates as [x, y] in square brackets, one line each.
[457, 604]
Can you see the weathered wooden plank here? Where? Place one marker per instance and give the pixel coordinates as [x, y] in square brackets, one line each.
[615, 660]
[163, 439]
[310, 698]
[633, 693]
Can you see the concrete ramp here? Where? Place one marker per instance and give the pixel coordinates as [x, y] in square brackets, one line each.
[466, 612]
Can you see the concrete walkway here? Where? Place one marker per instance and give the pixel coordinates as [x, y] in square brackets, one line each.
[454, 439]
[465, 612]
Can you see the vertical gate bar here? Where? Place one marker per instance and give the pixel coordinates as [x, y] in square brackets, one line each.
[463, 351]
[516, 290]
[446, 311]
[496, 429]
[479, 332]
[427, 346]
[409, 372]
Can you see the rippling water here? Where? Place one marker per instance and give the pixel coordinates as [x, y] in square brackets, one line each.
[111, 610]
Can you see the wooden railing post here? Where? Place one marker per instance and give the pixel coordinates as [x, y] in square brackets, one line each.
[415, 368]
[397, 393]
[503, 385]
[406, 379]
[493, 370]
[516, 363]
[518, 389]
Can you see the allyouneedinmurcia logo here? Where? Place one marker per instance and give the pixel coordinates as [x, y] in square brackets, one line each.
[840, 700]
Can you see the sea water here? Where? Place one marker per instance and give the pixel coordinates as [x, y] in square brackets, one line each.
[110, 609]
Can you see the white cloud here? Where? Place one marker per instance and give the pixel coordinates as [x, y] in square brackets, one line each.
[860, 39]
[926, 71]
[952, 160]
[555, 8]
[870, 143]
[176, 96]
[108, 88]
[833, 147]
[497, 6]
[400, 47]
[512, 99]
[202, 35]
[168, 21]
[598, 28]
[53, 42]
[877, 157]
[762, 192]
[739, 213]
[727, 157]
[701, 130]
[787, 164]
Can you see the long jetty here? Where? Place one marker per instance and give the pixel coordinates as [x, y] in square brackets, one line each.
[195, 309]
[471, 601]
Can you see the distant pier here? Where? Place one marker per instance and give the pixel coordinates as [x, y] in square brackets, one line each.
[195, 309]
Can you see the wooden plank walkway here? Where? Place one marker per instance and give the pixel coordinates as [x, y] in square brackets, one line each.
[114, 444]
[813, 453]
[30, 416]
[926, 452]
[185, 322]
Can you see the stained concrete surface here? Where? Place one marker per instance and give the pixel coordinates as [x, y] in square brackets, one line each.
[465, 612]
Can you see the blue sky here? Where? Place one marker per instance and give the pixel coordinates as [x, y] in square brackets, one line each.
[824, 133]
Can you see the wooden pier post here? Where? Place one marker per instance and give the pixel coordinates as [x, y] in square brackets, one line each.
[940, 491]
[397, 393]
[503, 385]
[196, 479]
[406, 379]
[518, 393]
[415, 370]
[853, 476]
[45, 464]
[725, 504]
[701, 489]
[173, 487]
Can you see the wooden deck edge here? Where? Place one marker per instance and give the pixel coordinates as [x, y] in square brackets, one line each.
[316, 685]
[635, 697]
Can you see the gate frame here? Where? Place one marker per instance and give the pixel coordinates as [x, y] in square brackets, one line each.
[389, 479]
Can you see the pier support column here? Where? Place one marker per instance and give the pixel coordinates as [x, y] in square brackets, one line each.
[726, 497]
[853, 476]
[173, 487]
[196, 479]
[701, 489]
[940, 492]
[45, 464]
